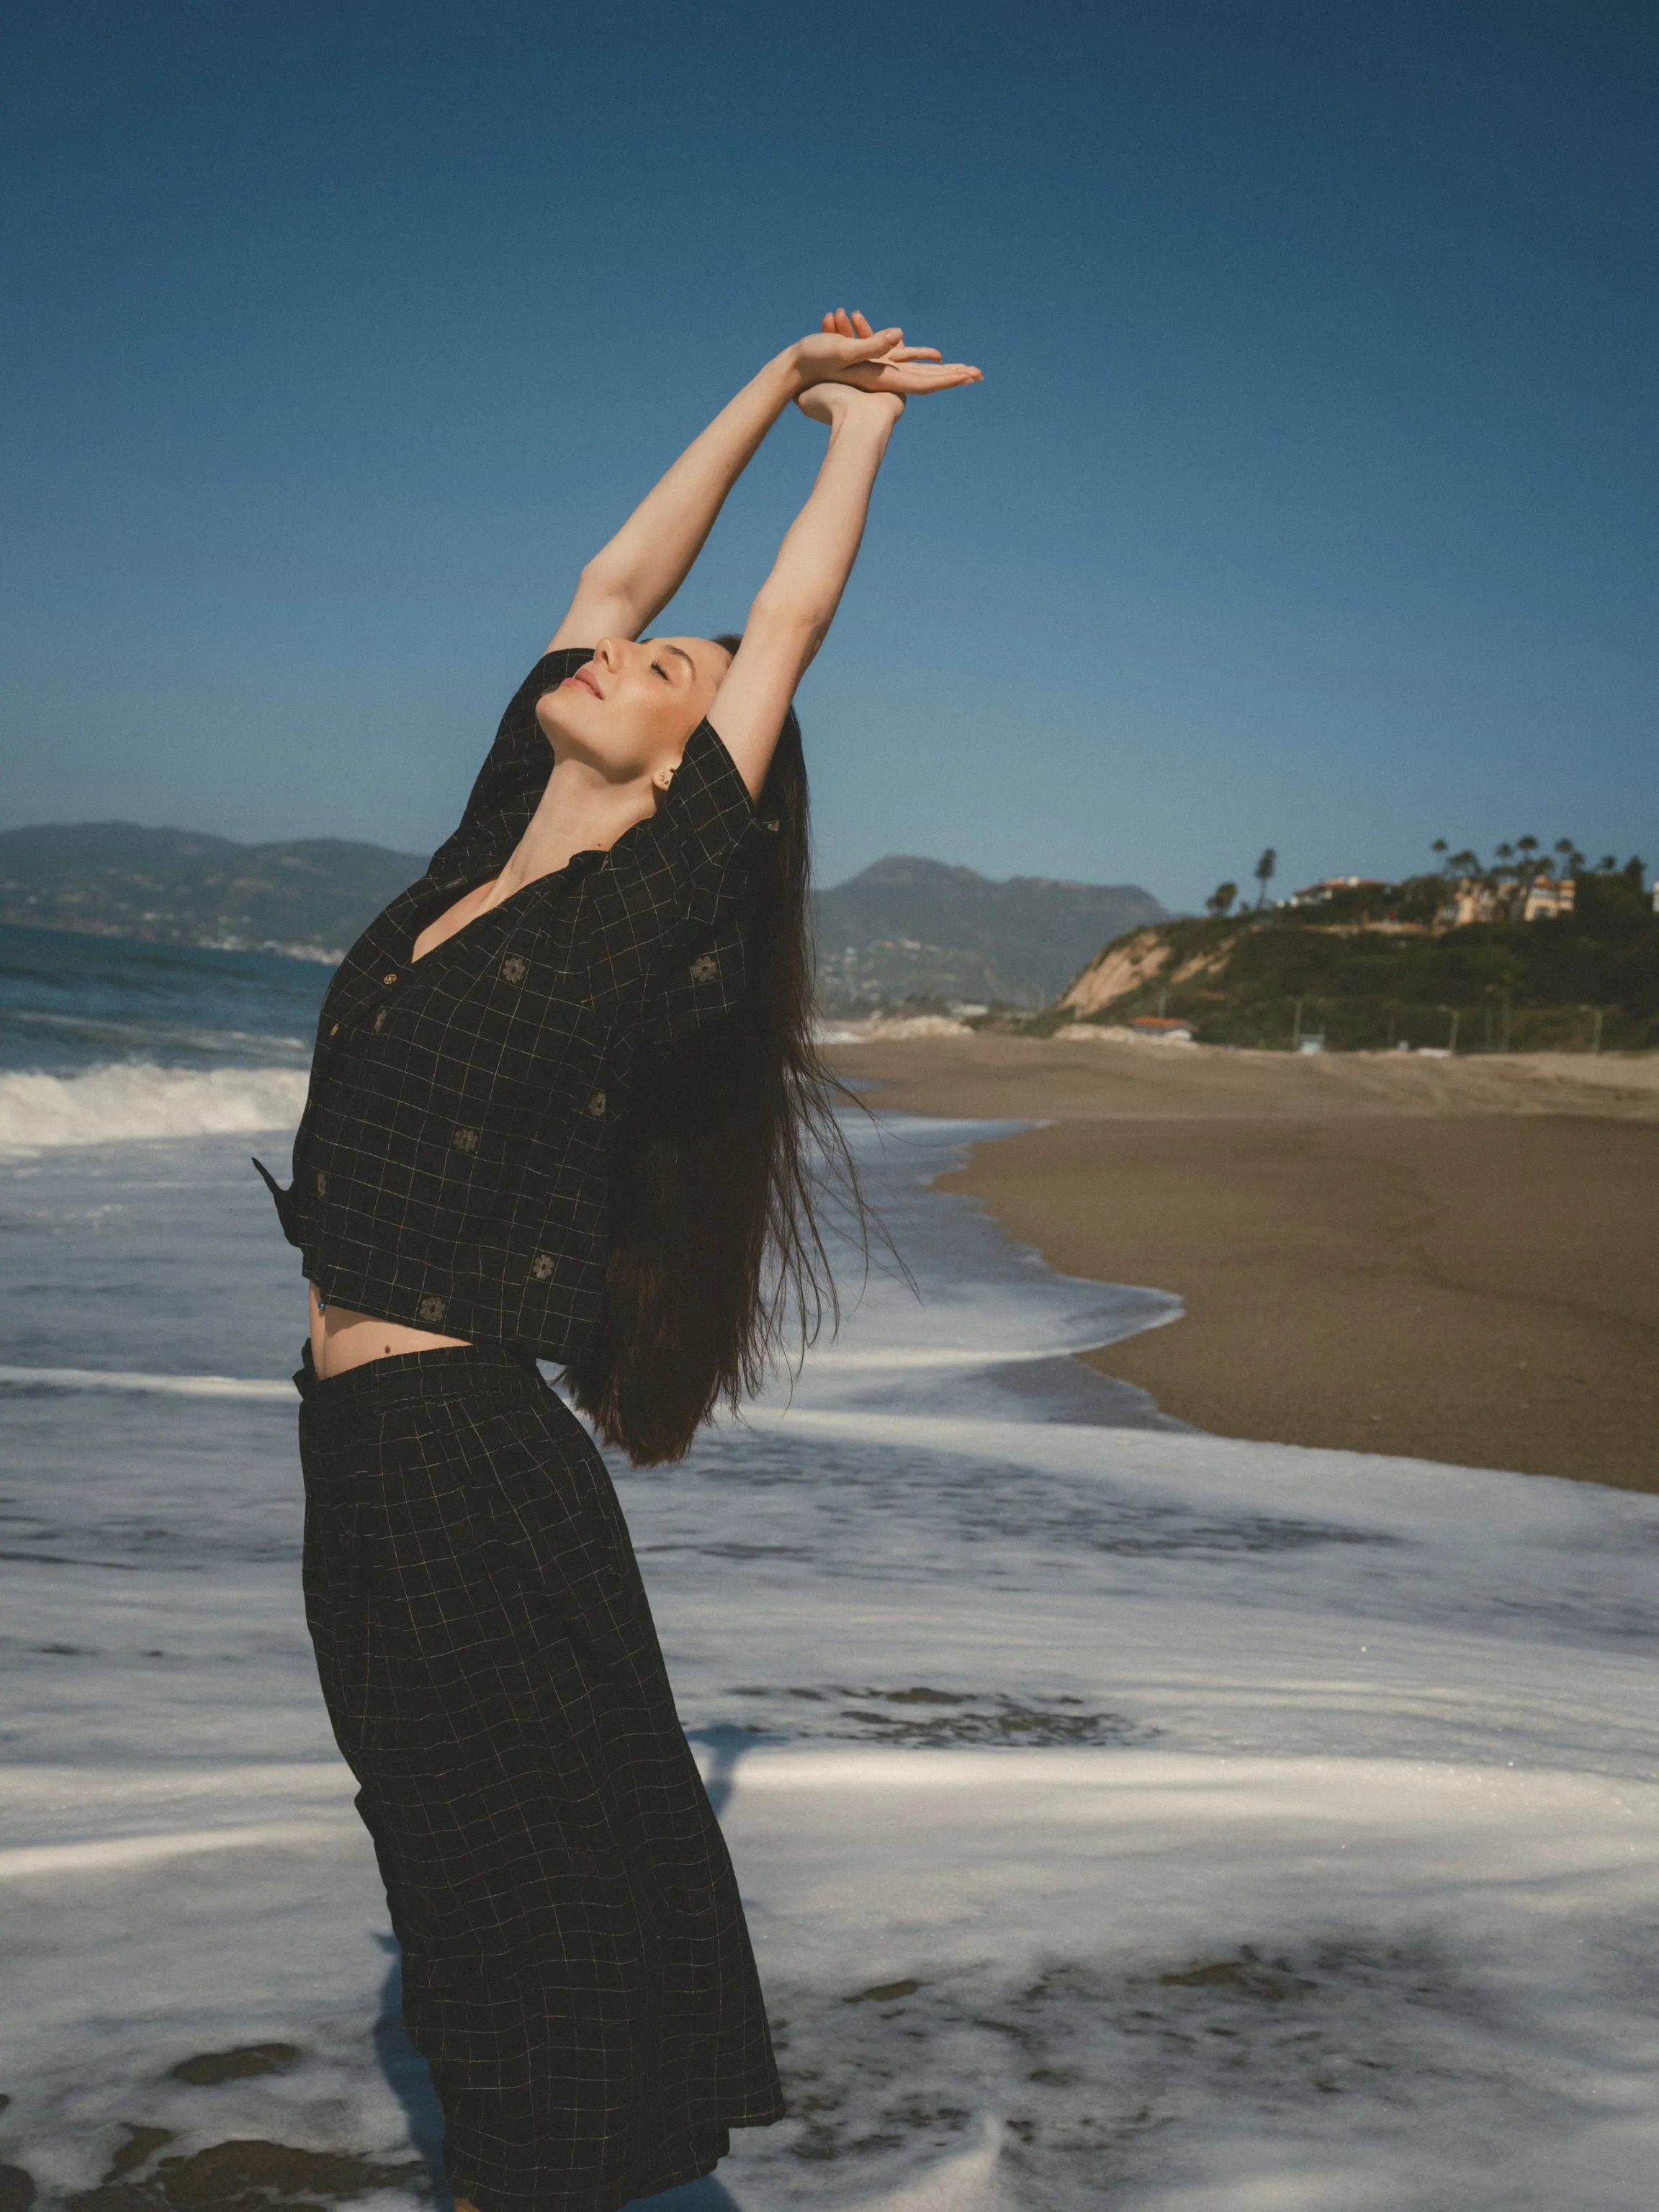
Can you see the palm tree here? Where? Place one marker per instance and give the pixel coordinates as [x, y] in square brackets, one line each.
[1220, 899]
[1439, 846]
[1264, 874]
[1499, 878]
[1528, 872]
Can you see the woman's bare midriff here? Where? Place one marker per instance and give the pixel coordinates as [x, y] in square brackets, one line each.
[341, 1340]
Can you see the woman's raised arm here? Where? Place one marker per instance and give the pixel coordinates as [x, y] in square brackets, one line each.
[794, 607]
[627, 582]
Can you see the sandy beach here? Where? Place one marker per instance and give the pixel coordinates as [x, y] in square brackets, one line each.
[1454, 1259]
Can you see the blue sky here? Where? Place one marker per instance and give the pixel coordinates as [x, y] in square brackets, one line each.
[1310, 500]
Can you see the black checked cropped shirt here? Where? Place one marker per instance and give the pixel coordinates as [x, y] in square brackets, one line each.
[451, 1171]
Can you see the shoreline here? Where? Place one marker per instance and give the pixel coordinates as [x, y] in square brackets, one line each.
[1447, 1260]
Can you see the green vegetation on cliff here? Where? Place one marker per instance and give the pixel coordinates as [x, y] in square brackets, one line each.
[1369, 969]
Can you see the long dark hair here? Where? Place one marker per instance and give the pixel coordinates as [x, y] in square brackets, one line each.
[721, 1172]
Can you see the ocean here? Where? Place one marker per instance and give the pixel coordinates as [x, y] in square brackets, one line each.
[1125, 1815]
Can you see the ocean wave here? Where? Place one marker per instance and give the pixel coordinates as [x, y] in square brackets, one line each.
[116, 1104]
[126, 1030]
[118, 1378]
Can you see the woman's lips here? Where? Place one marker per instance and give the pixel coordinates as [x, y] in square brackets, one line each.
[586, 682]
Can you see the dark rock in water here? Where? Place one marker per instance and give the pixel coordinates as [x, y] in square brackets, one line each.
[1005, 1722]
[918, 1716]
[1271, 1981]
[884, 1993]
[247, 2177]
[17, 2190]
[232, 2176]
[142, 2143]
[209, 2067]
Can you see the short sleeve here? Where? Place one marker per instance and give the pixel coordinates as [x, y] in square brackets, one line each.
[681, 876]
[510, 785]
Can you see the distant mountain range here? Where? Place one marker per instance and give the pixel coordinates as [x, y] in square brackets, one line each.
[909, 929]
[905, 930]
[308, 895]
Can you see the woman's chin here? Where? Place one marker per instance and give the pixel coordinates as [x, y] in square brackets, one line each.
[553, 718]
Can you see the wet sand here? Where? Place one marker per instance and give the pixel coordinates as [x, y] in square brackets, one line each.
[1452, 1259]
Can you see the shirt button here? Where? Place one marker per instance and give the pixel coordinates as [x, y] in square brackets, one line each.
[466, 1141]
[705, 968]
[596, 1105]
[334, 1028]
[390, 978]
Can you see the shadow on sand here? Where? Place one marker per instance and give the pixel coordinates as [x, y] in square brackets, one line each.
[405, 2070]
[726, 1745]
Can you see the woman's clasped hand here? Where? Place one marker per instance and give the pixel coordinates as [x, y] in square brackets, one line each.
[846, 350]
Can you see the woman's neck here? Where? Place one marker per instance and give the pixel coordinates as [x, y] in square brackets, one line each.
[580, 810]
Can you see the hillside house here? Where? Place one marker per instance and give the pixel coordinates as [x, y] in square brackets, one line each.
[1327, 886]
[1547, 896]
[1472, 900]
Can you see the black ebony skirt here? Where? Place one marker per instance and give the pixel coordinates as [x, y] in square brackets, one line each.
[576, 1969]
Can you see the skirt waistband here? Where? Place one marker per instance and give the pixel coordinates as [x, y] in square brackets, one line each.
[403, 1378]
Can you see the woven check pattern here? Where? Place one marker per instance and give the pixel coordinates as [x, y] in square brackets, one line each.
[451, 1171]
[576, 1968]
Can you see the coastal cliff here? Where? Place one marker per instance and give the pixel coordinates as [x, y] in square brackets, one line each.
[1378, 969]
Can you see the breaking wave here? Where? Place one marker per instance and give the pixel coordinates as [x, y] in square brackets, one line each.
[134, 1100]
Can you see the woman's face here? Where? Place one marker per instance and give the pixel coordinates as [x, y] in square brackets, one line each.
[629, 711]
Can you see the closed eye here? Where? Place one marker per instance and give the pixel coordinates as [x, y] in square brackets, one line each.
[659, 670]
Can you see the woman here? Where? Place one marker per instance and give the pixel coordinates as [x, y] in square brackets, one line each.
[562, 1100]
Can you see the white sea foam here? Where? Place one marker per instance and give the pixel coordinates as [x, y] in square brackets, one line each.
[122, 1378]
[106, 1853]
[113, 1105]
[881, 1028]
